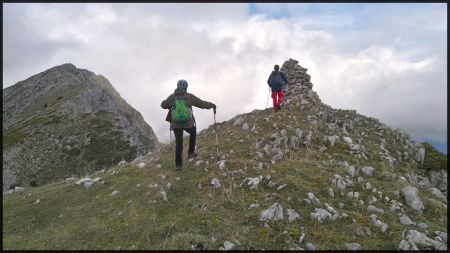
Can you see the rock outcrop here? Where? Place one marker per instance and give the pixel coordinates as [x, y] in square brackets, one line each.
[67, 121]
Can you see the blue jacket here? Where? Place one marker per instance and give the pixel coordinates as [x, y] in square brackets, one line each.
[276, 86]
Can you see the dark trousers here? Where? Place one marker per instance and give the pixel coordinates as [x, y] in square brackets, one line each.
[179, 143]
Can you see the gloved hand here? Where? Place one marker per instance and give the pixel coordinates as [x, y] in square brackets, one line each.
[214, 108]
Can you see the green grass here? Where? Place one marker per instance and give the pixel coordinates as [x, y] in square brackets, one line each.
[12, 136]
[71, 217]
[434, 160]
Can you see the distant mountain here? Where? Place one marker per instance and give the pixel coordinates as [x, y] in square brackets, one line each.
[68, 121]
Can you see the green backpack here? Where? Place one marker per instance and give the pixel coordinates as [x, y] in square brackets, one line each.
[181, 113]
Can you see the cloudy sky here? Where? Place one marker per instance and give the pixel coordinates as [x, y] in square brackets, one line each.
[387, 61]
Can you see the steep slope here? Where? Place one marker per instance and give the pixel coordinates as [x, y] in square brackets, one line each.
[68, 121]
[307, 177]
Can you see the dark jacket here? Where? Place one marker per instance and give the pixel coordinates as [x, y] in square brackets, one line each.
[191, 100]
[277, 86]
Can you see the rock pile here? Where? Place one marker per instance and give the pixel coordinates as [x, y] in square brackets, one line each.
[299, 84]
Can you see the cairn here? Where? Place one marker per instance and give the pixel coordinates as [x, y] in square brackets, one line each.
[299, 86]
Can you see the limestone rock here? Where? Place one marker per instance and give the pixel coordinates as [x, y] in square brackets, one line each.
[420, 155]
[381, 225]
[422, 241]
[411, 195]
[215, 183]
[347, 139]
[321, 215]
[330, 192]
[351, 171]
[373, 209]
[367, 170]
[274, 212]
[292, 215]
[436, 192]
[310, 246]
[222, 164]
[405, 220]
[227, 245]
[353, 246]
[253, 182]
[422, 225]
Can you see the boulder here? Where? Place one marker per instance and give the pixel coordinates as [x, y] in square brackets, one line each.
[367, 170]
[222, 164]
[422, 225]
[351, 171]
[420, 156]
[292, 215]
[18, 189]
[436, 192]
[411, 195]
[253, 182]
[299, 133]
[215, 183]
[373, 209]
[381, 225]
[422, 241]
[353, 246]
[405, 220]
[310, 246]
[293, 142]
[321, 215]
[227, 245]
[274, 212]
[347, 139]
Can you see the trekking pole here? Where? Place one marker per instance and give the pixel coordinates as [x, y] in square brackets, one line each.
[217, 141]
[268, 98]
[170, 136]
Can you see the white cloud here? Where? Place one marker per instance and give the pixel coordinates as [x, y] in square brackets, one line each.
[226, 56]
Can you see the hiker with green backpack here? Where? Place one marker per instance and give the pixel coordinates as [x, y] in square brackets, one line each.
[181, 118]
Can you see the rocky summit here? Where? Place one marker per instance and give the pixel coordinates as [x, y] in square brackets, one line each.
[308, 177]
[66, 122]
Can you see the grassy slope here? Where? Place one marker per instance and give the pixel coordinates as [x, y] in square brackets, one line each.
[71, 217]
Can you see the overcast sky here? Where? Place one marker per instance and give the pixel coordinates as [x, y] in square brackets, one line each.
[387, 61]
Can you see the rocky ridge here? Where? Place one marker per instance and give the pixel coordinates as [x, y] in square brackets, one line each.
[307, 177]
[61, 122]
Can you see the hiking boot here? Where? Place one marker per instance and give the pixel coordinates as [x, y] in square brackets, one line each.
[191, 156]
[278, 107]
[178, 168]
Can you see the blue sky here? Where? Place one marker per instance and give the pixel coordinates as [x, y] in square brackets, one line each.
[387, 61]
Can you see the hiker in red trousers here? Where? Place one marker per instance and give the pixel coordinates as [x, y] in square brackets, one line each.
[276, 81]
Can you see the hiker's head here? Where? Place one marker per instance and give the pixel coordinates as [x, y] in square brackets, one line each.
[276, 67]
[182, 84]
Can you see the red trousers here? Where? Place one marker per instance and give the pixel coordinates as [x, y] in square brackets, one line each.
[276, 101]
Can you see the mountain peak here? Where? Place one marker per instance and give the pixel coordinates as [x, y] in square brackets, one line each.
[76, 114]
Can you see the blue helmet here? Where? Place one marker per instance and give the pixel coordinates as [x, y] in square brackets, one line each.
[182, 84]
